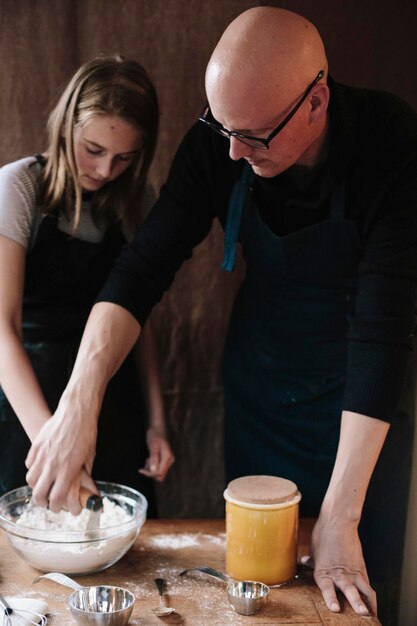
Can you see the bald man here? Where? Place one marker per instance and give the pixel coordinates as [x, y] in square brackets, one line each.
[318, 183]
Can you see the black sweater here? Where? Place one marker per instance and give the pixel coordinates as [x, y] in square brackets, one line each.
[373, 146]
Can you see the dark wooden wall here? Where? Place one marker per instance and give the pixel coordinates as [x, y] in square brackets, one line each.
[42, 42]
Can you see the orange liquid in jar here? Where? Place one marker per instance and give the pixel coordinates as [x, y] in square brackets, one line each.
[261, 540]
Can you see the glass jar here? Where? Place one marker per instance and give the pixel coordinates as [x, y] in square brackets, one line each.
[261, 529]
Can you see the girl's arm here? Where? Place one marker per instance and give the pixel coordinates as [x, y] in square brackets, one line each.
[17, 377]
[160, 454]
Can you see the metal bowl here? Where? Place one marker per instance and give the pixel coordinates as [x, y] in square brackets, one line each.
[102, 606]
[247, 596]
[77, 551]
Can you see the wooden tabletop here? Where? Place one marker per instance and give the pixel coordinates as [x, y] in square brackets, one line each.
[164, 548]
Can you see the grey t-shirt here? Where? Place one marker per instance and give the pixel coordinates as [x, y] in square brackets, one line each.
[20, 212]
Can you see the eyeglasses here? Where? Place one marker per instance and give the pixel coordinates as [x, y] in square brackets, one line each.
[262, 143]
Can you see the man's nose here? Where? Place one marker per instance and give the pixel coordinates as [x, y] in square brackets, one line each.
[238, 149]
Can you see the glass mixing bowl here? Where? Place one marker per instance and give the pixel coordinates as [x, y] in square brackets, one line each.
[75, 551]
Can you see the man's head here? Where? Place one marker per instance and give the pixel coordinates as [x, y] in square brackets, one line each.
[258, 72]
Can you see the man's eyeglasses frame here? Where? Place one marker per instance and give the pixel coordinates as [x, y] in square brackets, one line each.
[261, 143]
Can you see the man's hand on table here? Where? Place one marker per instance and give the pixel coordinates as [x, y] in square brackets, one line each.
[338, 564]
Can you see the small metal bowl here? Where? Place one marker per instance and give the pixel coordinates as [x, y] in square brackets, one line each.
[102, 606]
[247, 596]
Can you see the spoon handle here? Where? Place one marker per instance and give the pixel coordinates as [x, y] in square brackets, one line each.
[5, 608]
[210, 571]
[59, 578]
[160, 584]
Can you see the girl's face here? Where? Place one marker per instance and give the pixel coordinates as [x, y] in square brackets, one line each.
[104, 147]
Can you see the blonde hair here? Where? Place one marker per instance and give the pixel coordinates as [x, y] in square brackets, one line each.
[103, 86]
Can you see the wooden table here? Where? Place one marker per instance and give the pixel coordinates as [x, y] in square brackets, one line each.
[163, 549]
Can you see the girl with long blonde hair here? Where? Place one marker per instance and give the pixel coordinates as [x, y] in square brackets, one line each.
[64, 216]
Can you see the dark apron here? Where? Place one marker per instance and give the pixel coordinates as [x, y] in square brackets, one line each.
[63, 276]
[285, 365]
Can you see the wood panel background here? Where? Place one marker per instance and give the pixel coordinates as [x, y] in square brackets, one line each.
[42, 42]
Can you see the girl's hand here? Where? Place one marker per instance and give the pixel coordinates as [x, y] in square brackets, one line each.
[160, 456]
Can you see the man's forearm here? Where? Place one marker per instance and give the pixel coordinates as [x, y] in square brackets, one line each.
[336, 548]
[65, 446]
[360, 443]
[110, 334]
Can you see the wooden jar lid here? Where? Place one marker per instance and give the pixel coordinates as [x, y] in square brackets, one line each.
[262, 489]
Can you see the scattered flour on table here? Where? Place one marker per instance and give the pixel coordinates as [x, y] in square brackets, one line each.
[206, 599]
[218, 540]
[79, 554]
[176, 541]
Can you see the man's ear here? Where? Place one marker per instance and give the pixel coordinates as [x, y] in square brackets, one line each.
[319, 102]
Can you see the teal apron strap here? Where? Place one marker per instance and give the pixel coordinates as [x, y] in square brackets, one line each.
[237, 202]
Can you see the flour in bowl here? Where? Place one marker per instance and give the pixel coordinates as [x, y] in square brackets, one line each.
[45, 519]
[60, 542]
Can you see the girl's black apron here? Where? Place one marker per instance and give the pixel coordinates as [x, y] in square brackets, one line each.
[63, 276]
[285, 361]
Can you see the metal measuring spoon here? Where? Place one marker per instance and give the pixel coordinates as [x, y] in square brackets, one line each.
[97, 605]
[162, 610]
[246, 597]
[214, 573]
